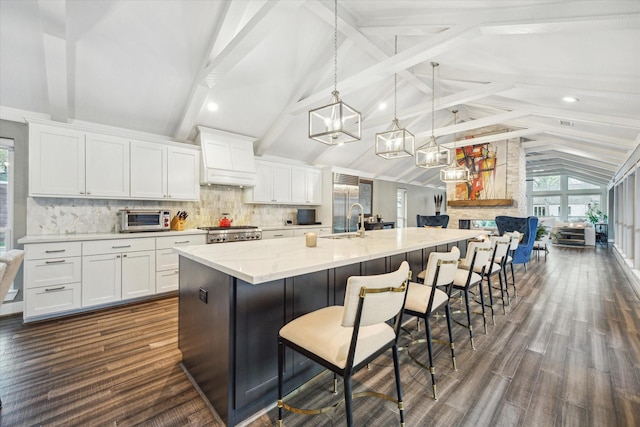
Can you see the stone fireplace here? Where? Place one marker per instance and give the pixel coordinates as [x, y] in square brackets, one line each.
[514, 184]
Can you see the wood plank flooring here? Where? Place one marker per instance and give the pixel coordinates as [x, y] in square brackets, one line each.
[566, 353]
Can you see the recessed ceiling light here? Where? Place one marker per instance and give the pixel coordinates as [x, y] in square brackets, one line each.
[212, 106]
[570, 99]
[382, 106]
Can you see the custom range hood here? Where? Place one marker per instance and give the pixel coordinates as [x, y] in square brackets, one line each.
[227, 158]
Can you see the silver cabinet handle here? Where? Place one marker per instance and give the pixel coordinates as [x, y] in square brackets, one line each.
[52, 251]
[60, 261]
[184, 241]
[170, 274]
[123, 246]
[55, 289]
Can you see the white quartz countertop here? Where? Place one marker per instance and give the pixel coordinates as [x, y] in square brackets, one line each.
[53, 238]
[261, 261]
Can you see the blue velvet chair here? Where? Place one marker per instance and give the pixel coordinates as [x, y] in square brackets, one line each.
[526, 226]
[432, 220]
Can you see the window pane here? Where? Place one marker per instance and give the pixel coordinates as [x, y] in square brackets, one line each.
[546, 183]
[579, 205]
[548, 206]
[576, 184]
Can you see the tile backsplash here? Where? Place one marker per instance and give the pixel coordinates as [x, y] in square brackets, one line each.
[47, 215]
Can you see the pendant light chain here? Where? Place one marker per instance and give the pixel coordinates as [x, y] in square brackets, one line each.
[395, 87]
[433, 94]
[335, 47]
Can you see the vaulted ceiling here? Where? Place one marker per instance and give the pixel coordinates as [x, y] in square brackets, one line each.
[155, 66]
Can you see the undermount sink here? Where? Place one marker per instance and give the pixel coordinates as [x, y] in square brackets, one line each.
[340, 236]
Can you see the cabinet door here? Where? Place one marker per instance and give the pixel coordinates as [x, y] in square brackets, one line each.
[101, 279]
[314, 186]
[107, 166]
[148, 170]
[56, 161]
[263, 191]
[138, 274]
[281, 183]
[183, 174]
[298, 185]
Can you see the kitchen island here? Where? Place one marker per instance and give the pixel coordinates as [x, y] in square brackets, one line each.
[235, 298]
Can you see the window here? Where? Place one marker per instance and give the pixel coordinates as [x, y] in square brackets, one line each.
[546, 183]
[576, 184]
[548, 206]
[579, 205]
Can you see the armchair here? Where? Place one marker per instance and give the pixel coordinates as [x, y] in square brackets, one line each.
[432, 220]
[527, 227]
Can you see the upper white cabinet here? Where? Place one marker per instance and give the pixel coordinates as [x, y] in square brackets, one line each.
[107, 166]
[68, 162]
[183, 173]
[306, 185]
[273, 183]
[56, 161]
[227, 158]
[164, 172]
[280, 183]
[148, 170]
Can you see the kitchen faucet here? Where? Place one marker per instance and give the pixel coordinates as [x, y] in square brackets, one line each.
[360, 232]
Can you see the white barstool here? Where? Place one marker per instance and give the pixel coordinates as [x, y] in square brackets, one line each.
[344, 339]
[424, 299]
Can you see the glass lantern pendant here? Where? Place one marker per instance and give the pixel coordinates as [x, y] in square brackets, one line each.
[454, 173]
[430, 155]
[335, 123]
[397, 142]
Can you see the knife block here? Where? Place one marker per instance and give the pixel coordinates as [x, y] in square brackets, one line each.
[177, 224]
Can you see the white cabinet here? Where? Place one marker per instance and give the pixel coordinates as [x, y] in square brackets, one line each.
[148, 170]
[52, 275]
[56, 161]
[319, 230]
[117, 269]
[280, 183]
[273, 183]
[164, 172]
[107, 166]
[68, 162]
[183, 173]
[167, 272]
[276, 234]
[306, 185]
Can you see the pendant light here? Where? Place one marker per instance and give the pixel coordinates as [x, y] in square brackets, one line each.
[454, 173]
[430, 155]
[397, 142]
[335, 123]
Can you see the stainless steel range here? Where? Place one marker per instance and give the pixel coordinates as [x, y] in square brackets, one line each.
[232, 234]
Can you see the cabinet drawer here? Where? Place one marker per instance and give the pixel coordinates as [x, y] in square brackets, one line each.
[277, 234]
[98, 247]
[51, 250]
[53, 299]
[166, 259]
[167, 281]
[173, 241]
[53, 271]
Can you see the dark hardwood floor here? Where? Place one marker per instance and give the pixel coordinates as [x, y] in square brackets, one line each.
[566, 353]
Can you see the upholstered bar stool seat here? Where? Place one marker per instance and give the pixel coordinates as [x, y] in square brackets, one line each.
[469, 275]
[321, 332]
[344, 339]
[423, 300]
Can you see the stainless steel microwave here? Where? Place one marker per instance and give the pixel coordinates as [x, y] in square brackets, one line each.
[136, 220]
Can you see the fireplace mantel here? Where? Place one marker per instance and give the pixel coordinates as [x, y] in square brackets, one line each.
[487, 203]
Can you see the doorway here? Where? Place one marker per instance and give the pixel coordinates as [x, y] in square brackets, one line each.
[401, 210]
[6, 201]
